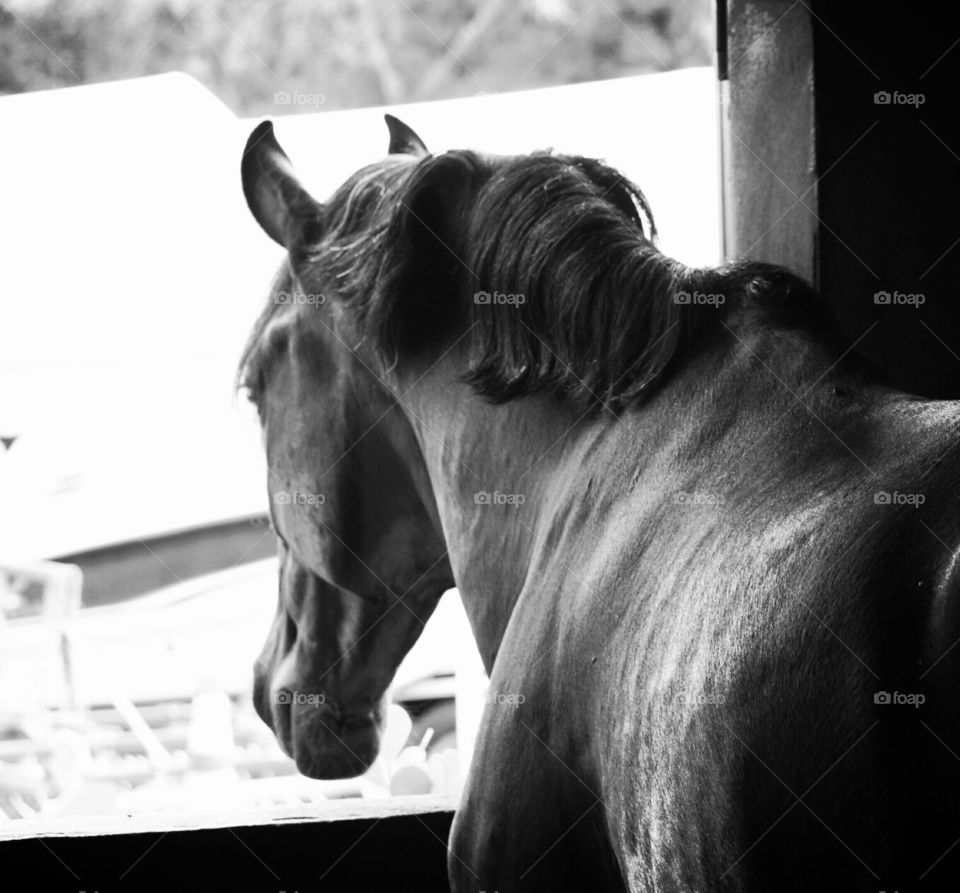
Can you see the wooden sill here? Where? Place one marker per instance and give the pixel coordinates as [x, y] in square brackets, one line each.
[347, 809]
[347, 846]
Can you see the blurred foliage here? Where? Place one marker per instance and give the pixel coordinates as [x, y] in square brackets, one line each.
[349, 52]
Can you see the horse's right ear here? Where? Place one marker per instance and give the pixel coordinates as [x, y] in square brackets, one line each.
[404, 139]
[280, 204]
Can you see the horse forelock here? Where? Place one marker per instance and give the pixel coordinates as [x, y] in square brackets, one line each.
[362, 205]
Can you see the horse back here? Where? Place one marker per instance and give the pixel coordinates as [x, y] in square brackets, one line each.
[771, 669]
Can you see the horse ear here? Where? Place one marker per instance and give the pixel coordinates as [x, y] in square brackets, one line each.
[280, 204]
[403, 139]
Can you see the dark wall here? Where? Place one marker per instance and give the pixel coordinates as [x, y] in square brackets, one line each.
[880, 182]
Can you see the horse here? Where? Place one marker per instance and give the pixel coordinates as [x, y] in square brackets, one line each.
[708, 552]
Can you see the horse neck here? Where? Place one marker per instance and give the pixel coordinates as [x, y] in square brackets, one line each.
[488, 467]
[500, 473]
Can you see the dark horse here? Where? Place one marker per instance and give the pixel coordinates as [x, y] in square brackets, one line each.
[708, 554]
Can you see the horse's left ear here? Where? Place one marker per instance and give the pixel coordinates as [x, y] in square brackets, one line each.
[403, 139]
[276, 198]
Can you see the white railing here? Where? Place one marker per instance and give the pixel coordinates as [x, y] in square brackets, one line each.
[59, 599]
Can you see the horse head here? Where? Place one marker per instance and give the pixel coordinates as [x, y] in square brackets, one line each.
[362, 559]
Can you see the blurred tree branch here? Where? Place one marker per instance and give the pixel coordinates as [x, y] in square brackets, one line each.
[467, 38]
[391, 84]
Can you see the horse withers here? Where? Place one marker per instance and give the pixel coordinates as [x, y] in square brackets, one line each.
[708, 554]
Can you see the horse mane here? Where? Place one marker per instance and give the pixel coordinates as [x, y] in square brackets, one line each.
[589, 309]
[597, 317]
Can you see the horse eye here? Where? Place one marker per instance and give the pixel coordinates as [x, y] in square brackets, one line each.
[256, 387]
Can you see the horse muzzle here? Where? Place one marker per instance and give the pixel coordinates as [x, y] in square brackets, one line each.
[320, 735]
